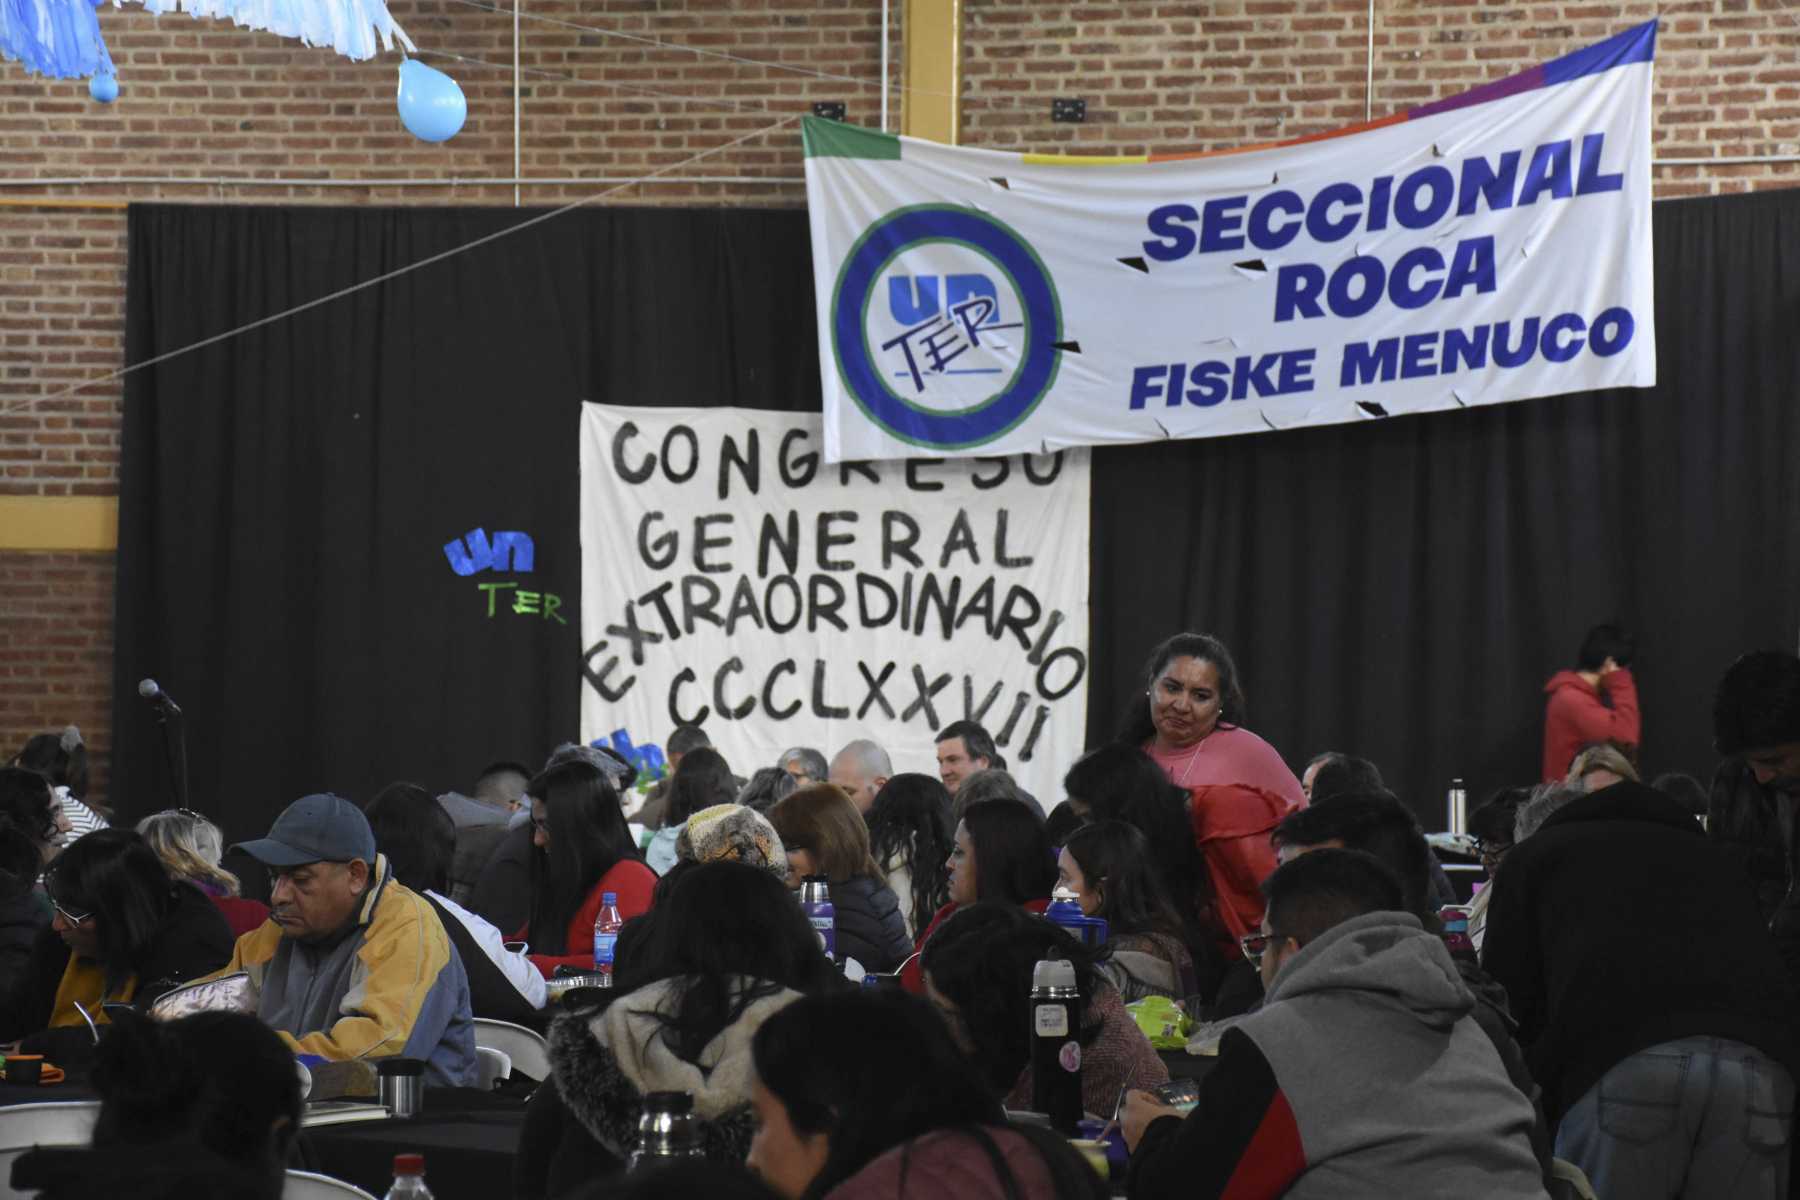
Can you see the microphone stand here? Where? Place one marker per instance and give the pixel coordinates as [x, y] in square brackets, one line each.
[175, 754]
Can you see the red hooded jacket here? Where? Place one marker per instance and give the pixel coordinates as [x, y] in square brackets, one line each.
[1576, 715]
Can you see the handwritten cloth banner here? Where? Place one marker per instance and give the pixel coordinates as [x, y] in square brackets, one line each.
[733, 580]
[1494, 246]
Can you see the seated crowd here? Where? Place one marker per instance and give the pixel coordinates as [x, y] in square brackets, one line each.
[1614, 1014]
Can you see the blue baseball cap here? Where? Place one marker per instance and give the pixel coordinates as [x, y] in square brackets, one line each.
[317, 828]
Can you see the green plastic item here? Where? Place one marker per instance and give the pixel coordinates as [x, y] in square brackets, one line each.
[1162, 1021]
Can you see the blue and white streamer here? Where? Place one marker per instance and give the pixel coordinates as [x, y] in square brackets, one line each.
[58, 38]
[351, 27]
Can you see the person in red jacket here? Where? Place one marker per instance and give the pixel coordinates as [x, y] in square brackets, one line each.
[1596, 702]
[583, 851]
[1189, 721]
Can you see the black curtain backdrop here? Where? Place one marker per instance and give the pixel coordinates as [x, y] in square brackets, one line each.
[1398, 589]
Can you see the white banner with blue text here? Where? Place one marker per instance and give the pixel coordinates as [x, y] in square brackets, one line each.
[1492, 246]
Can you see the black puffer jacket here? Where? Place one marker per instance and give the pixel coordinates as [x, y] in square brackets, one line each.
[870, 927]
[23, 916]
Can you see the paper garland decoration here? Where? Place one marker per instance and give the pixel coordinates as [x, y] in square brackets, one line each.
[350, 27]
[61, 38]
[58, 38]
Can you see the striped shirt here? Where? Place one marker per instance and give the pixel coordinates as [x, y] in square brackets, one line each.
[82, 819]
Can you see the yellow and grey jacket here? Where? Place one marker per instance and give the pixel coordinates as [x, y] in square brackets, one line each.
[392, 984]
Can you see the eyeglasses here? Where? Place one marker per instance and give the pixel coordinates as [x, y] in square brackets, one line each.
[1255, 945]
[73, 917]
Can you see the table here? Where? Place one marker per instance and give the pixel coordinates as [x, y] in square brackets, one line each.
[468, 1138]
[74, 1087]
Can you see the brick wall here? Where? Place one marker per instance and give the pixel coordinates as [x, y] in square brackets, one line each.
[202, 99]
[1159, 77]
[56, 634]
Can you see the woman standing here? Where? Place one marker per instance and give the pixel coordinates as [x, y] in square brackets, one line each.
[1189, 722]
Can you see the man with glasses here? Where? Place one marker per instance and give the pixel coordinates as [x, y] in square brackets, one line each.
[1358, 1076]
[351, 965]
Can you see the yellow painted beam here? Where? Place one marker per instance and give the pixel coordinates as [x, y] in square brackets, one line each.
[77, 523]
[930, 105]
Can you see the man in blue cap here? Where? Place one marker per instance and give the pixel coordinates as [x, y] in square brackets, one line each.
[350, 964]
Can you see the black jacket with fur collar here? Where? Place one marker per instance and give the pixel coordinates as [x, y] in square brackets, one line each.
[603, 1064]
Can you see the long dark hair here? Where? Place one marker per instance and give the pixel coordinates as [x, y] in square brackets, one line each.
[1137, 728]
[981, 960]
[1116, 858]
[416, 834]
[1120, 782]
[112, 874]
[62, 758]
[1013, 860]
[875, 1070]
[20, 862]
[910, 827]
[588, 837]
[25, 803]
[718, 923]
[702, 780]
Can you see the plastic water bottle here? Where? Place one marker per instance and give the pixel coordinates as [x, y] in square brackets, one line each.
[667, 1130]
[815, 901]
[1056, 1044]
[409, 1178]
[606, 937]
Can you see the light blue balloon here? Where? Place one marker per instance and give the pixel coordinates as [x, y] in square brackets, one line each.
[104, 88]
[431, 104]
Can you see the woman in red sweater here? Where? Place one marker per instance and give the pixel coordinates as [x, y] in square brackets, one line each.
[583, 850]
[1188, 722]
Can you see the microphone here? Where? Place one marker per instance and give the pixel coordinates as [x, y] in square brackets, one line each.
[148, 689]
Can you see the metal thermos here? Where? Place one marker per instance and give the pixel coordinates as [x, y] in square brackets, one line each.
[667, 1130]
[1457, 804]
[1055, 1044]
[402, 1084]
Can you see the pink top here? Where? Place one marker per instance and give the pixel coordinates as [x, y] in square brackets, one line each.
[1229, 754]
[1239, 790]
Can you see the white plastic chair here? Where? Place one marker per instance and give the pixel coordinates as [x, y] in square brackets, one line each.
[524, 1049]
[491, 1066]
[22, 1126]
[307, 1185]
